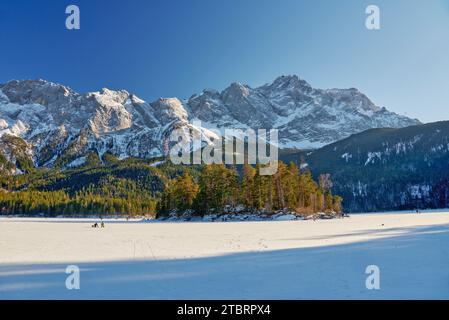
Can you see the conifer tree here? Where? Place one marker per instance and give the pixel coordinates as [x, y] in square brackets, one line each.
[248, 185]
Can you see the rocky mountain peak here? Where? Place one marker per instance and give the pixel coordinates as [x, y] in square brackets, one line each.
[236, 91]
[353, 98]
[59, 125]
[169, 109]
[35, 91]
[289, 82]
[287, 85]
[110, 98]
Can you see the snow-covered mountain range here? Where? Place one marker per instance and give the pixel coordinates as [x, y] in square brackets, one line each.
[60, 126]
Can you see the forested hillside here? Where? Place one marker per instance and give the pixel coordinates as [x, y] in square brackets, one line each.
[156, 187]
[387, 169]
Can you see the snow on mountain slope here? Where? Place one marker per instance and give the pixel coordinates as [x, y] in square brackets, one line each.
[305, 117]
[60, 126]
[387, 168]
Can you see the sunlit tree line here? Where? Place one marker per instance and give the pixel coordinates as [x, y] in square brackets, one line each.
[219, 187]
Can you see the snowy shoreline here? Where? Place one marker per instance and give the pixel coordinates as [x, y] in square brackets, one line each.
[211, 218]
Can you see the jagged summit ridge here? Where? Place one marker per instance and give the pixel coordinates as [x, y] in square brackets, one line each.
[305, 117]
[60, 125]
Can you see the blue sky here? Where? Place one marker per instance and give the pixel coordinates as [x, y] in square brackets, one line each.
[164, 48]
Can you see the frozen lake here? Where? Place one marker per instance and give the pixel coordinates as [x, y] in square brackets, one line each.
[323, 259]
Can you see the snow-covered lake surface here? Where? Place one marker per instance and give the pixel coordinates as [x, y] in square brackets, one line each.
[323, 259]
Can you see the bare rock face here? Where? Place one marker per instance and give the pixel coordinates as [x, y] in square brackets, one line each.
[305, 117]
[59, 126]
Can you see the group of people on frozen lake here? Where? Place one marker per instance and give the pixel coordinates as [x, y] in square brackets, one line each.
[96, 225]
